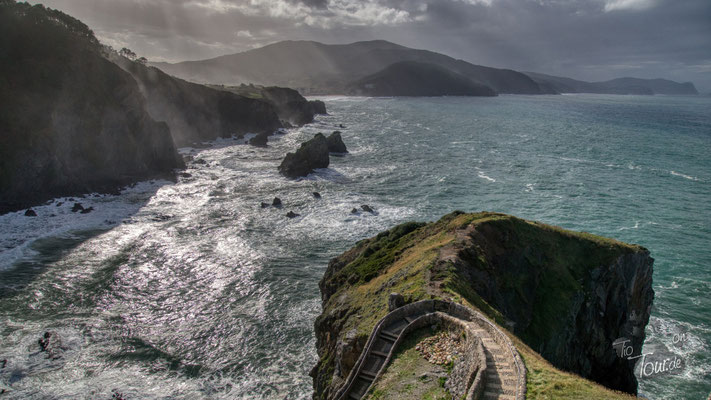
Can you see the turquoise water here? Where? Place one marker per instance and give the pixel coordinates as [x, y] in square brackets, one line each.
[191, 289]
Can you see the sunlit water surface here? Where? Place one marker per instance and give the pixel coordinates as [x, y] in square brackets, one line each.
[192, 290]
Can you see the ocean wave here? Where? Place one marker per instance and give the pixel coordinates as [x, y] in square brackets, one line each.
[691, 178]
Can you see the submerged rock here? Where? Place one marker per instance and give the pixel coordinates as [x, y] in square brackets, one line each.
[77, 207]
[311, 155]
[86, 210]
[367, 208]
[292, 214]
[30, 213]
[276, 202]
[51, 344]
[317, 195]
[264, 205]
[354, 211]
[335, 143]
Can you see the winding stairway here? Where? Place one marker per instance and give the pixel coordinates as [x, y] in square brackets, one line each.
[501, 374]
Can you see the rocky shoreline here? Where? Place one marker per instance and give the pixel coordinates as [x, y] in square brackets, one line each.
[100, 121]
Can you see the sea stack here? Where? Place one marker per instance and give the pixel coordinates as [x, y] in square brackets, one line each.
[311, 155]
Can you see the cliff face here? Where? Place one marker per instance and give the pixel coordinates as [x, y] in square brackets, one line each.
[566, 295]
[70, 121]
[197, 113]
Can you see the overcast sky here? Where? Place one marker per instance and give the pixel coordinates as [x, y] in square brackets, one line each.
[584, 39]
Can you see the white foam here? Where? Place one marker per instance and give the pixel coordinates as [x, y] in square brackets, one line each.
[481, 174]
[691, 178]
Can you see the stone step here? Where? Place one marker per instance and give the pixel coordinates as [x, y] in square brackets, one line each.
[379, 354]
[369, 374]
[387, 335]
[497, 395]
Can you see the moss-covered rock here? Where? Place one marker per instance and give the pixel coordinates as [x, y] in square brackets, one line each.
[567, 295]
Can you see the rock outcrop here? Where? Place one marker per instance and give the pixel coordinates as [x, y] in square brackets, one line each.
[318, 106]
[71, 121]
[311, 155]
[566, 295]
[291, 107]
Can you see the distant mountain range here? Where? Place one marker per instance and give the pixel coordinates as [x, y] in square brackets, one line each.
[615, 86]
[317, 68]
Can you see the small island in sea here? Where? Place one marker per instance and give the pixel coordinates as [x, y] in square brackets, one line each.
[297, 211]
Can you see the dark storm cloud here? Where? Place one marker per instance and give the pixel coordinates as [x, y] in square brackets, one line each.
[587, 39]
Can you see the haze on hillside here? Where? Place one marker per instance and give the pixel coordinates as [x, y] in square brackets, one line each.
[590, 40]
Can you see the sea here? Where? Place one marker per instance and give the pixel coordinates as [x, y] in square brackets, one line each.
[191, 289]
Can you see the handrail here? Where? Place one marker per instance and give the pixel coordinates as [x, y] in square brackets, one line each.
[431, 307]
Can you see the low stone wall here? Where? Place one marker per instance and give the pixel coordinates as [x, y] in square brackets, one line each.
[469, 364]
[497, 334]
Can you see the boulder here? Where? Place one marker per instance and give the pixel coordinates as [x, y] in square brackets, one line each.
[395, 301]
[292, 214]
[264, 205]
[77, 207]
[335, 143]
[30, 213]
[354, 211]
[276, 202]
[318, 106]
[311, 155]
[317, 195]
[260, 140]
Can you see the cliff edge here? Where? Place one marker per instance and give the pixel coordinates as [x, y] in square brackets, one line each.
[563, 297]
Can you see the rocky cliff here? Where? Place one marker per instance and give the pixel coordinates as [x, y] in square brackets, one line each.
[565, 295]
[70, 121]
[197, 113]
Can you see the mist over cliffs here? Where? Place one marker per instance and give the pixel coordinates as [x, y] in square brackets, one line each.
[70, 120]
[77, 117]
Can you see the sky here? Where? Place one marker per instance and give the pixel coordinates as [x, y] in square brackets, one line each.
[583, 39]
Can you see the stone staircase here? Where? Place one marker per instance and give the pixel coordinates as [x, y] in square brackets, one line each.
[501, 374]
